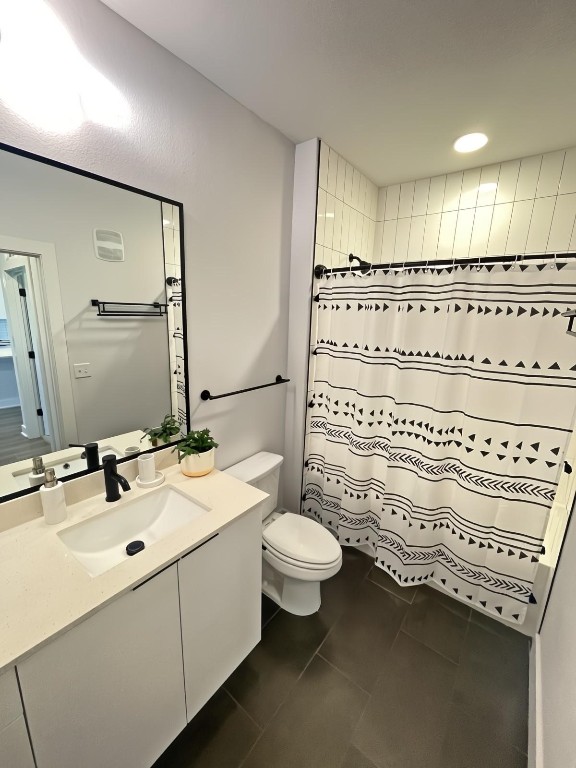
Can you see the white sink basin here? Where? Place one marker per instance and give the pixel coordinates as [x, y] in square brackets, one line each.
[100, 542]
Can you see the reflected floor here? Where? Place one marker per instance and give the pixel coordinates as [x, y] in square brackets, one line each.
[14, 447]
[380, 677]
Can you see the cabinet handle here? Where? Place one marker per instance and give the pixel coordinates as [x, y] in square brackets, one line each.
[200, 545]
[152, 577]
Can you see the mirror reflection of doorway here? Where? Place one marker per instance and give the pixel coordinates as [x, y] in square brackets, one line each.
[24, 413]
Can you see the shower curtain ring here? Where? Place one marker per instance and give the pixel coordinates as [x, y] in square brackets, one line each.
[554, 264]
[515, 260]
[368, 272]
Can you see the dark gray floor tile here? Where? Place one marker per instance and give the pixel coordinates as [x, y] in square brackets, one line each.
[314, 726]
[355, 759]
[340, 591]
[220, 736]
[267, 675]
[269, 609]
[469, 745]
[362, 637]
[492, 683]
[431, 621]
[497, 627]
[378, 576]
[449, 602]
[406, 718]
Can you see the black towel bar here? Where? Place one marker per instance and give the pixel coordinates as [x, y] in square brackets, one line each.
[205, 394]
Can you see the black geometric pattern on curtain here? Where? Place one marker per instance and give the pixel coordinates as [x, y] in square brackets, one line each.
[440, 406]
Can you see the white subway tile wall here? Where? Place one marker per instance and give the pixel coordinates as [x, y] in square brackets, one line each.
[346, 214]
[517, 207]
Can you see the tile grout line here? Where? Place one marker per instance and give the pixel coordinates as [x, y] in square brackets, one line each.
[260, 727]
[442, 656]
[341, 672]
[284, 700]
[389, 592]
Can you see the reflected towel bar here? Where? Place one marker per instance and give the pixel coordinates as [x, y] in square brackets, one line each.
[132, 309]
[205, 394]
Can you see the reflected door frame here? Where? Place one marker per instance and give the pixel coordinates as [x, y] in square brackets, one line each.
[25, 354]
[45, 289]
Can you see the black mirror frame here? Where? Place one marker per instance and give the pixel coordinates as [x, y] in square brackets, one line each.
[103, 179]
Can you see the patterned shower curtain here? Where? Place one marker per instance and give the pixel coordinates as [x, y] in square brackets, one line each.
[440, 406]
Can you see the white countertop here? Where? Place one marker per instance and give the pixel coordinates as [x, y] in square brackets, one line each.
[43, 588]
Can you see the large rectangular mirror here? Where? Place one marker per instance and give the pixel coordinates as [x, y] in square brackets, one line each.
[92, 317]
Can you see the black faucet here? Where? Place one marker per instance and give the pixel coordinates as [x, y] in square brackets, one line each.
[112, 479]
[90, 454]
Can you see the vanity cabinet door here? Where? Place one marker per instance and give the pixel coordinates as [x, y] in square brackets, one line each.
[109, 693]
[220, 584]
[15, 751]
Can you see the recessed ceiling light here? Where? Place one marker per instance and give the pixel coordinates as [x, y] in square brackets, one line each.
[471, 142]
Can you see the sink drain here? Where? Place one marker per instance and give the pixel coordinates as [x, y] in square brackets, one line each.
[134, 547]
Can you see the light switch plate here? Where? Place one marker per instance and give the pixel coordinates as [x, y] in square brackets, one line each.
[82, 370]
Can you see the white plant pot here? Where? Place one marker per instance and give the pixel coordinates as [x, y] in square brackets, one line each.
[198, 464]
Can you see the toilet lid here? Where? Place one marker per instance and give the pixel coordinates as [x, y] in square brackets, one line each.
[302, 539]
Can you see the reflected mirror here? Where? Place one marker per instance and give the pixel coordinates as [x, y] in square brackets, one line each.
[92, 340]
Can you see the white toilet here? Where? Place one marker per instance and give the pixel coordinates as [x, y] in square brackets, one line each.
[297, 553]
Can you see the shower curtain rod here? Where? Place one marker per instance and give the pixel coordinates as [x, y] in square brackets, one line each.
[364, 266]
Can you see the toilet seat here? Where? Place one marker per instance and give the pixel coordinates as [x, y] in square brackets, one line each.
[301, 542]
[301, 563]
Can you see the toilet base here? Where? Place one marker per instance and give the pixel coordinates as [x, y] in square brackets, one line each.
[298, 597]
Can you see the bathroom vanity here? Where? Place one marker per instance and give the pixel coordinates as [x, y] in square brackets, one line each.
[109, 669]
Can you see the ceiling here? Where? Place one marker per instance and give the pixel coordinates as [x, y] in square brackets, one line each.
[389, 84]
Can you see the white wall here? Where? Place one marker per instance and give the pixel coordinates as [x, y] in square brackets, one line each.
[517, 207]
[189, 141]
[301, 266]
[558, 665]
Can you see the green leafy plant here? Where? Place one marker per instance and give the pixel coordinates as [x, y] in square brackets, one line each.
[198, 441]
[167, 429]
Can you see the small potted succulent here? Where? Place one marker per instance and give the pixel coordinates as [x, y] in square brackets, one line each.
[196, 453]
[168, 429]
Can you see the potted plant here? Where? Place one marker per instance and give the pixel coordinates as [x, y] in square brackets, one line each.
[196, 453]
[162, 434]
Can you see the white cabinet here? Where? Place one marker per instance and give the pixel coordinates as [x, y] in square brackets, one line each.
[15, 751]
[109, 692]
[118, 688]
[220, 584]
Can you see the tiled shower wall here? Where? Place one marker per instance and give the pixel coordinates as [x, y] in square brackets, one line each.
[517, 207]
[346, 213]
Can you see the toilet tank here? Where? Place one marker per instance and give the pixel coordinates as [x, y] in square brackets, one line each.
[262, 470]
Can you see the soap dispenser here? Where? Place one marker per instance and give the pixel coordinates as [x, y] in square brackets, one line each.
[52, 497]
[36, 477]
